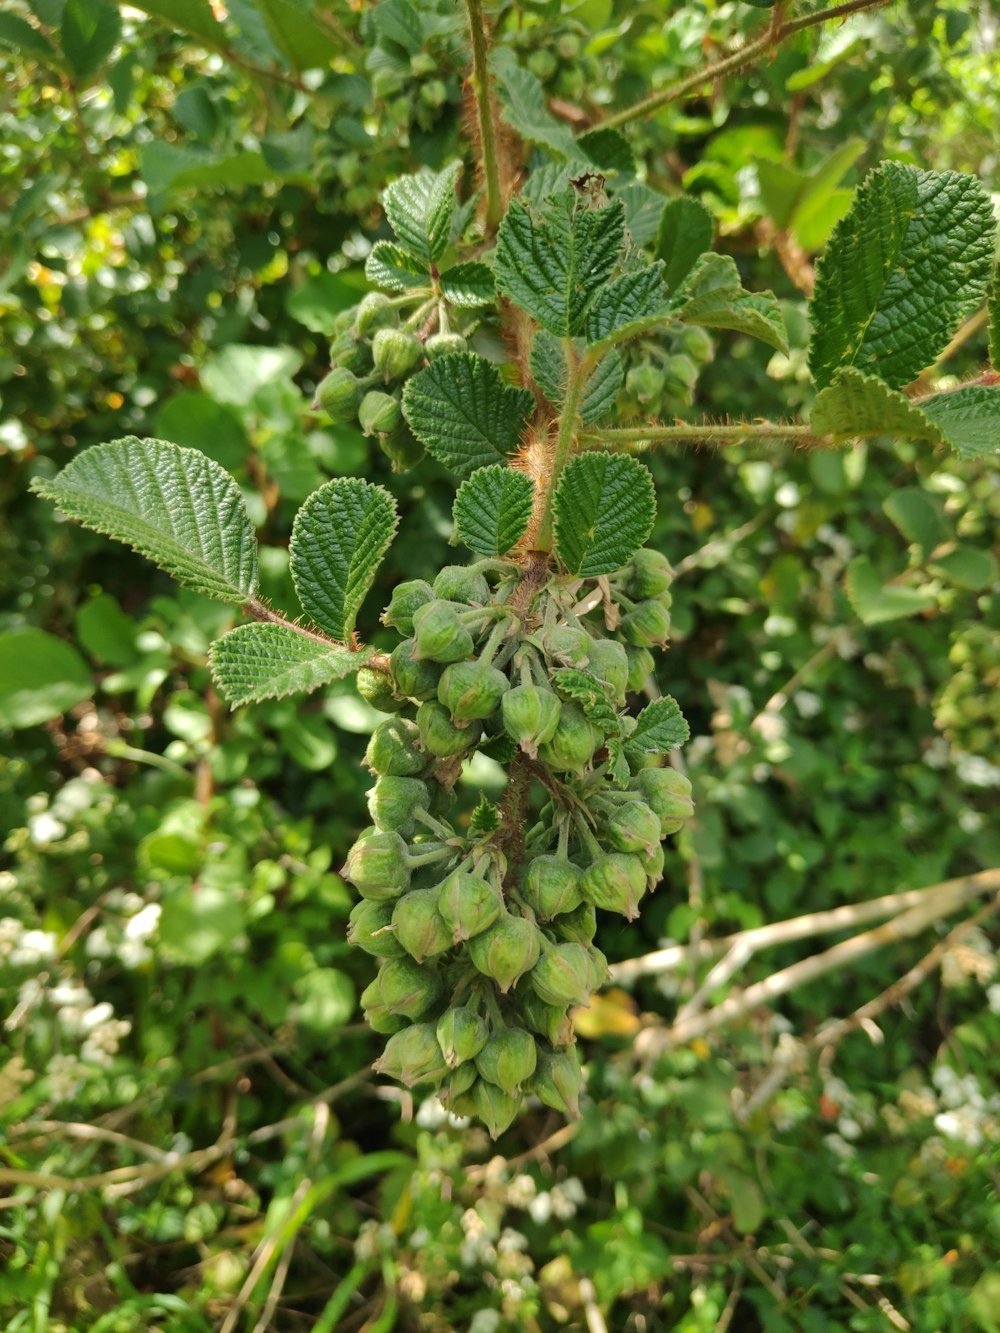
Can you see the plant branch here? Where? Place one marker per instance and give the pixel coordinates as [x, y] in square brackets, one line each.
[641, 436]
[487, 135]
[731, 64]
[579, 369]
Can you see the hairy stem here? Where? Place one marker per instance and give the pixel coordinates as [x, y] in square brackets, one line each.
[577, 377]
[684, 433]
[487, 136]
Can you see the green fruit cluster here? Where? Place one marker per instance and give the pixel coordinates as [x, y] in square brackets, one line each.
[967, 709]
[485, 929]
[661, 376]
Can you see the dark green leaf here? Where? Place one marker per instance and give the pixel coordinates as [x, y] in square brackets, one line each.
[40, 678]
[660, 728]
[604, 511]
[686, 232]
[254, 662]
[493, 508]
[463, 413]
[469, 284]
[89, 32]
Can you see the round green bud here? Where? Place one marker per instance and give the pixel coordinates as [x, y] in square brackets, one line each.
[562, 975]
[375, 687]
[343, 321]
[615, 883]
[375, 311]
[418, 924]
[609, 662]
[543, 63]
[461, 1034]
[413, 1056]
[494, 1107]
[468, 905]
[649, 574]
[680, 374]
[347, 352]
[458, 583]
[508, 1059]
[401, 447]
[438, 734]
[403, 987]
[668, 794]
[573, 742]
[646, 624]
[530, 716]
[379, 413]
[551, 1021]
[694, 342]
[471, 690]
[338, 394]
[393, 749]
[444, 344]
[579, 925]
[415, 677]
[568, 645]
[396, 352]
[439, 634]
[422, 64]
[597, 967]
[640, 668]
[458, 1084]
[558, 1081]
[392, 803]
[652, 863]
[552, 886]
[406, 600]
[633, 827]
[378, 867]
[505, 951]
[368, 928]
[644, 383]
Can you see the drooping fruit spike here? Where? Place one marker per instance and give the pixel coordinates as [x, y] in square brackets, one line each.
[418, 924]
[413, 1056]
[378, 865]
[615, 883]
[507, 950]
[461, 1034]
[508, 1059]
[468, 905]
[393, 749]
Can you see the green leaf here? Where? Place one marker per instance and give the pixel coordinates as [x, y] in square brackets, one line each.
[918, 517]
[604, 510]
[319, 299]
[686, 231]
[485, 818]
[326, 999]
[237, 373]
[636, 295]
[254, 662]
[968, 567]
[106, 632]
[199, 422]
[553, 267]
[713, 298]
[906, 265]
[493, 509]
[463, 413]
[968, 420]
[469, 284]
[388, 266]
[855, 406]
[198, 921]
[525, 108]
[592, 694]
[40, 678]
[338, 540]
[192, 16]
[419, 209]
[172, 505]
[994, 312]
[876, 602]
[18, 35]
[169, 166]
[548, 367]
[89, 32]
[297, 34]
[609, 150]
[659, 729]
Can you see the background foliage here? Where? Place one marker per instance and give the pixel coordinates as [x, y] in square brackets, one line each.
[192, 1136]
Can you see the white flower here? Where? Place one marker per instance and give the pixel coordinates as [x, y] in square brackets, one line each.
[45, 828]
[34, 947]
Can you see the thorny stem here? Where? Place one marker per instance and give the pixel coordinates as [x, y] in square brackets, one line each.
[640, 436]
[487, 137]
[513, 810]
[768, 40]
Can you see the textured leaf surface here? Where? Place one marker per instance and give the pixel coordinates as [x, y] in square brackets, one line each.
[968, 420]
[389, 266]
[552, 265]
[254, 662]
[592, 694]
[338, 540]
[714, 299]
[548, 366]
[876, 602]
[469, 285]
[660, 728]
[635, 295]
[493, 509]
[525, 109]
[463, 413]
[855, 406]
[172, 505]
[604, 511]
[419, 210]
[686, 232]
[40, 677]
[994, 305]
[906, 265]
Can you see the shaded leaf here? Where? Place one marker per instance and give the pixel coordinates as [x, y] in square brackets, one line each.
[918, 516]
[493, 509]
[636, 295]
[713, 298]
[463, 413]
[604, 510]
[40, 677]
[525, 108]
[855, 406]
[686, 231]
[968, 420]
[876, 602]
[548, 366]
[260, 661]
[89, 32]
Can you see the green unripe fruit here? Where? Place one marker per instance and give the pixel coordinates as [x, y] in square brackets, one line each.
[649, 575]
[668, 794]
[508, 1059]
[494, 1107]
[542, 63]
[609, 662]
[461, 1034]
[458, 1084]
[418, 925]
[415, 677]
[459, 583]
[368, 929]
[597, 967]
[374, 312]
[342, 322]
[375, 687]
[472, 690]
[530, 716]
[633, 827]
[680, 374]
[652, 863]
[580, 925]
[338, 394]
[644, 383]
[413, 1056]
[505, 951]
[403, 988]
[392, 804]
[434, 93]
[615, 883]
[561, 976]
[396, 352]
[568, 645]
[552, 886]
[438, 734]
[382, 1020]
[551, 1021]
[393, 749]
[401, 447]
[406, 600]
[347, 352]
[573, 742]
[468, 905]
[558, 1081]
[444, 344]
[646, 624]
[440, 635]
[640, 668]
[378, 867]
[422, 64]
[379, 413]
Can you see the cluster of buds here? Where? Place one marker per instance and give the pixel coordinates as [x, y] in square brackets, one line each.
[662, 374]
[485, 931]
[373, 352]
